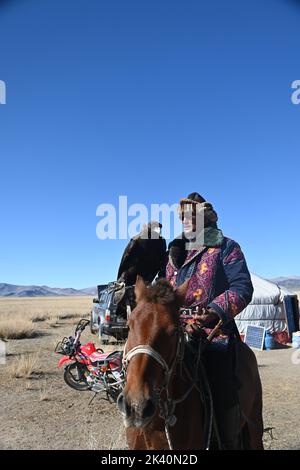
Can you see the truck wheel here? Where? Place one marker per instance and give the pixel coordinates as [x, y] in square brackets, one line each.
[93, 330]
[103, 338]
[103, 341]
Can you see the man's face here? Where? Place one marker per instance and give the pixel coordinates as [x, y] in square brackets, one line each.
[188, 218]
[192, 220]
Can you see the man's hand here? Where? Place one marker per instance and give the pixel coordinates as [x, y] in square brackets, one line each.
[208, 317]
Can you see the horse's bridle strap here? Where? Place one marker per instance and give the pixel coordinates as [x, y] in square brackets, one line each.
[145, 349]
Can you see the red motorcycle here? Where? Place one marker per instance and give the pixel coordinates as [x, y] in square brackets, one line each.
[89, 368]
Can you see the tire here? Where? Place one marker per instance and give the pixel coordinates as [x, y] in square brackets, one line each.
[75, 376]
[103, 341]
[93, 330]
[103, 338]
[114, 394]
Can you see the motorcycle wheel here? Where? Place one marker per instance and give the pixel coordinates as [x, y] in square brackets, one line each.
[113, 394]
[75, 376]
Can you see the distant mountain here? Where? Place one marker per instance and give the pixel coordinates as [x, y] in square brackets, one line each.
[291, 283]
[11, 290]
[89, 291]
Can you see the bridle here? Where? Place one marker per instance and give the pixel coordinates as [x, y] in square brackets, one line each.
[166, 405]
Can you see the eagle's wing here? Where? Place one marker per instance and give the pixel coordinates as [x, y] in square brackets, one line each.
[129, 260]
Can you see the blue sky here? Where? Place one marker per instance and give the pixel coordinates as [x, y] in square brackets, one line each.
[153, 100]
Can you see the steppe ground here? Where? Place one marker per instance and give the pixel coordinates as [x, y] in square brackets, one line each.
[39, 411]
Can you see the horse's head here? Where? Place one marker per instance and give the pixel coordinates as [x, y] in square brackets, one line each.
[152, 349]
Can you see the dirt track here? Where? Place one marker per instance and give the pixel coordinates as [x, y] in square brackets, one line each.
[66, 421]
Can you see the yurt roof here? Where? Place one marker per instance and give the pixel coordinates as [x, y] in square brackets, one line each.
[266, 292]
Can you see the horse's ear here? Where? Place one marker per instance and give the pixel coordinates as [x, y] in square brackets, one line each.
[140, 288]
[181, 292]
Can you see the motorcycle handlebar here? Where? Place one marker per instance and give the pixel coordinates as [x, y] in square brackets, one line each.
[77, 338]
[82, 324]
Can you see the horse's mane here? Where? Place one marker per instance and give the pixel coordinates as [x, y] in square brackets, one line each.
[161, 293]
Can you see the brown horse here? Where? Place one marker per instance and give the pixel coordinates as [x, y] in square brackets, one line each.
[162, 406]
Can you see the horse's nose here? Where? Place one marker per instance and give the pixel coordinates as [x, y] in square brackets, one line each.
[123, 405]
[143, 409]
[147, 408]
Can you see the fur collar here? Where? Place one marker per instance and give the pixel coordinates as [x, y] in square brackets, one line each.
[178, 252]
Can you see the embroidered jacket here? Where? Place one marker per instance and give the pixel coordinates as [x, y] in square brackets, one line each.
[219, 279]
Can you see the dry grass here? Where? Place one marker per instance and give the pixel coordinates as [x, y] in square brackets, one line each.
[44, 392]
[44, 308]
[24, 366]
[68, 315]
[39, 317]
[28, 385]
[18, 315]
[94, 441]
[17, 329]
[53, 321]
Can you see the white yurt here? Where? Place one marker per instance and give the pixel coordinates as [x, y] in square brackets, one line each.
[272, 307]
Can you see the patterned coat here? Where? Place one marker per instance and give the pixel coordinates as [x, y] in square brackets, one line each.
[219, 279]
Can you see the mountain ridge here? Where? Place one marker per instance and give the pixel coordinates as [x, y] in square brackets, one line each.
[291, 283]
[13, 290]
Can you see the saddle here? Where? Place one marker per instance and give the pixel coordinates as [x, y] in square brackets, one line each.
[123, 297]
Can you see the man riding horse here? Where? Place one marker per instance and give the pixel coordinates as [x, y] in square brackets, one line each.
[220, 287]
